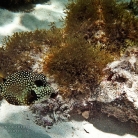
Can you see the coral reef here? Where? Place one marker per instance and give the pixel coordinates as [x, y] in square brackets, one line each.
[118, 92]
[95, 33]
[92, 29]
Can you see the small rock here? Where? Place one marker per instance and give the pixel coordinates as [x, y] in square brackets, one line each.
[86, 114]
[79, 111]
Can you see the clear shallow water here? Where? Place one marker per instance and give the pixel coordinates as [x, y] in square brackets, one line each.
[14, 123]
[39, 17]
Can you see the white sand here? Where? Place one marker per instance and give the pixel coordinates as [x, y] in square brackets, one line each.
[16, 121]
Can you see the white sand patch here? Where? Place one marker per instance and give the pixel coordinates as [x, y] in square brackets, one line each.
[8, 110]
[17, 122]
[8, 29]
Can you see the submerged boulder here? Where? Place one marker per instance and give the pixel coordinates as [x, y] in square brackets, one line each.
[118, 91]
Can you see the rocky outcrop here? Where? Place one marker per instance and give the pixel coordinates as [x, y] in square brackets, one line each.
[118, 91]
[117, 95]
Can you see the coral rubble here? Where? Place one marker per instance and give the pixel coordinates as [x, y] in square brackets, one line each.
[50, 111]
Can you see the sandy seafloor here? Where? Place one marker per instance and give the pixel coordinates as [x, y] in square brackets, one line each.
[16, 121]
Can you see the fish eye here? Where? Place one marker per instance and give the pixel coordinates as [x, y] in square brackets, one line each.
[39, 83]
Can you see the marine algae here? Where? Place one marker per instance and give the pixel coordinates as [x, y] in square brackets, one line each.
[18, 51]
[107, 17]
[95, 33]
[75, 65]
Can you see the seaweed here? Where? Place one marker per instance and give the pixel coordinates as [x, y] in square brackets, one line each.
[120, 24]
[19, 51]
[111, 19]
[76, 64]
[132, 5]
[95, 33]
[79, 11]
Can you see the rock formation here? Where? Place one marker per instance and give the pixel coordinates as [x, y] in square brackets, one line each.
[118, 91]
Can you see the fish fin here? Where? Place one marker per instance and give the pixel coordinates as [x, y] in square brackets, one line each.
[2, 74]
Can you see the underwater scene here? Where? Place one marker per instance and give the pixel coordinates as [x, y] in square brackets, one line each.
[69, 69]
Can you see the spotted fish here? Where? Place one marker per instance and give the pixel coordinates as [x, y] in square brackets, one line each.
[24, 88]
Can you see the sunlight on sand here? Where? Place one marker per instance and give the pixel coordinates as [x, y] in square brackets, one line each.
[8, 29]
[8, 110]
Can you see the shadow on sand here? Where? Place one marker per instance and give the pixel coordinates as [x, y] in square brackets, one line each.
[111, 125]
[22, 7]
[20, 131]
